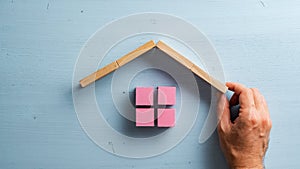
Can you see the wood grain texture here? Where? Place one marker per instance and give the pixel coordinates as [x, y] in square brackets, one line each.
[136, 53]
[99, 74]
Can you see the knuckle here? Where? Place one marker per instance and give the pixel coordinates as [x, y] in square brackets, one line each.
[256, 93]
[219, 127]
[269, 123]
[256, 90]
[264, 120]
[248, 91]
[248, 94]
[222, 128]
[252, 90]
[254, 120]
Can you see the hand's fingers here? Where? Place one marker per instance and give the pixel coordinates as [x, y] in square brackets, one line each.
[221, 105]
[262, 107]
[258, 100]
[243, 94]
[224, 114]
[267, 113]
[265, 105]
[236, 87]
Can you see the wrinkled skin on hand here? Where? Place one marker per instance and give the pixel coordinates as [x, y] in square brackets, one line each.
[245, 141]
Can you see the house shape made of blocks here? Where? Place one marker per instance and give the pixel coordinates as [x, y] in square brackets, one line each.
[145, 116]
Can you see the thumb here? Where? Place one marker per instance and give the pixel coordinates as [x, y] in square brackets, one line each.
[224, 114]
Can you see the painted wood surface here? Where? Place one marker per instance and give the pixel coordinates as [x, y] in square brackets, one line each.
[257, 41]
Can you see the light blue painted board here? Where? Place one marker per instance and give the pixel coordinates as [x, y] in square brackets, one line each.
[258, 43]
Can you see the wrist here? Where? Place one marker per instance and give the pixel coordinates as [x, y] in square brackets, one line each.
[245, 161]
[257, 167]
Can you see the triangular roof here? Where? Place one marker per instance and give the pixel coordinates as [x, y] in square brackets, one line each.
[145, 48]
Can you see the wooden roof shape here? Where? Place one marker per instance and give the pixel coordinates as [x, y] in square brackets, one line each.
[145, 48]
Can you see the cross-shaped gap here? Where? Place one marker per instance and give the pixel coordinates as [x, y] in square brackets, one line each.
[155, 105]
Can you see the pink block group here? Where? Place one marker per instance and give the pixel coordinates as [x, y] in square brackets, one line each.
[144, 96]
[166, 95]
[166, 117]
[146, 110]
[144, 117]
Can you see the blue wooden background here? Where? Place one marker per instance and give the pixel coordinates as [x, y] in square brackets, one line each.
[258, 42]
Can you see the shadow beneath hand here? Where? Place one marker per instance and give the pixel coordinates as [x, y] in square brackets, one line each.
[210, 150]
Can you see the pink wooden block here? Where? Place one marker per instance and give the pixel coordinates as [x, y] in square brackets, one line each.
[144, 117]
[144, 96]
[166, 95]
[166, 117]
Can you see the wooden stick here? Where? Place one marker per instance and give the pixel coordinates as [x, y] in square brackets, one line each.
[99, 73]
[116, 64]
[194, 68]
[136, 53]
[205, 76]
[175, 55]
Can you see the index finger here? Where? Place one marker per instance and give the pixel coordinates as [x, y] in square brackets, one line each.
[236, 87]
[242, 94]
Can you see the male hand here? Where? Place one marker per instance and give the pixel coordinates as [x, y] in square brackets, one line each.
[245, 141]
